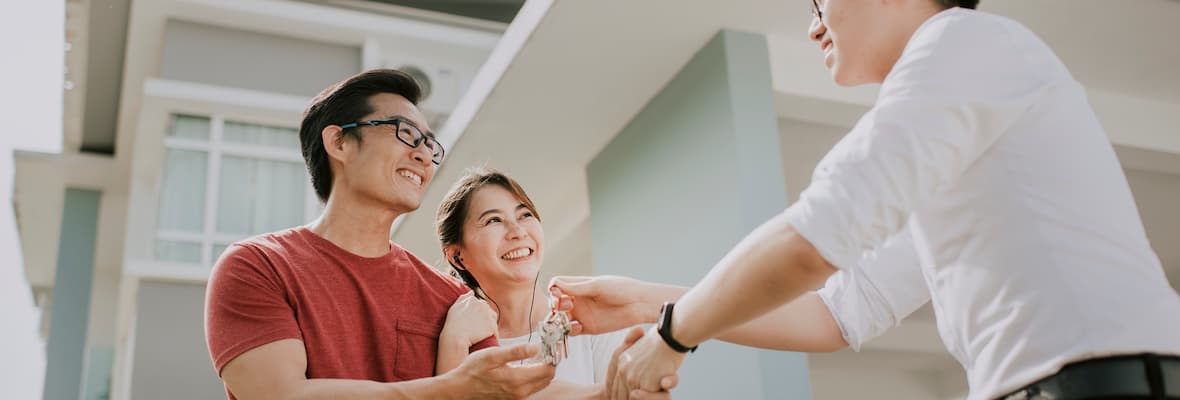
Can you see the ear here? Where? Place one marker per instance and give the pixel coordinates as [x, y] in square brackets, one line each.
[335, 143]
[451, 252]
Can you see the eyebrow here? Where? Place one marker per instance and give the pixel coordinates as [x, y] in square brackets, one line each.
[407, 120]
[496, 210]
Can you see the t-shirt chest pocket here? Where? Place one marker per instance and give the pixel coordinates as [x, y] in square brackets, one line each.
[416, 348]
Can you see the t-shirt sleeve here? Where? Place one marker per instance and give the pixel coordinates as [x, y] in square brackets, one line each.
[491, 341]
[245, 306]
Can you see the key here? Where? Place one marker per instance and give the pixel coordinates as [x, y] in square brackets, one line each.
[554, 333]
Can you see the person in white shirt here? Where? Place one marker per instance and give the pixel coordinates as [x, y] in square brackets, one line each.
[491, 235]
[981, 181]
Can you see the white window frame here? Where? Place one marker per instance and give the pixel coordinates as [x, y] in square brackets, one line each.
[215, 148]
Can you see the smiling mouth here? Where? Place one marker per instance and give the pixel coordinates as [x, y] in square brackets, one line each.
[517, 254]
[413, 177]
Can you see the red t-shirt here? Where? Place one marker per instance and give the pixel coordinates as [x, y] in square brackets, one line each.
[359, 318]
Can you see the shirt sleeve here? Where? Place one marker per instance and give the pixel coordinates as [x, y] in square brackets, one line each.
[491, 341]
[245, 306]
[944, 104]
[878, 293]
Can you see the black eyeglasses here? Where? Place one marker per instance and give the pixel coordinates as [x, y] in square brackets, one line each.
[407, 133]
[815, 11]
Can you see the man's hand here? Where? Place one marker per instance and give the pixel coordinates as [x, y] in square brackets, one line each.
[647, 366]
[469, 321]
[613, 391]
[486, 374]
[603, 304]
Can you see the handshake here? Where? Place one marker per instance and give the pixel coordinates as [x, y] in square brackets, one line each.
[642, 366]
[603, 304]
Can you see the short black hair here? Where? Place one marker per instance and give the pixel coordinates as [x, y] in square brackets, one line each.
[345, 102]
[958, 3]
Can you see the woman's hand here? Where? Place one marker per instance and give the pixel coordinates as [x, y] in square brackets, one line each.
[469, 321]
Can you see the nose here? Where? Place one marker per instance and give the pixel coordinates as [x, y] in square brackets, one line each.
[422, 154]
[515, 231]
[816, 30]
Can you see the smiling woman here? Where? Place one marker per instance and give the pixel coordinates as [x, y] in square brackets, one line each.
[492, 236]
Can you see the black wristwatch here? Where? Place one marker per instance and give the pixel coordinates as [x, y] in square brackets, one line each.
[665, 330]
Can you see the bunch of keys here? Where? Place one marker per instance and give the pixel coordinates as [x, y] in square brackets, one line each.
[554, 332]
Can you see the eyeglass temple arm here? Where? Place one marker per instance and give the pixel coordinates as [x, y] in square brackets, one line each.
[356, 124]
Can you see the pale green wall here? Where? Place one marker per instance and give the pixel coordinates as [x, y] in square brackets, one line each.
[70, 306]
[696, 170]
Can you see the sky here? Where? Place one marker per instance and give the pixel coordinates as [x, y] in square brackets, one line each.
[31, 72]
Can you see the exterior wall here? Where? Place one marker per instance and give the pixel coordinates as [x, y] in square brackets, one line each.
[171, 360]
[256, 61]
[695, 171]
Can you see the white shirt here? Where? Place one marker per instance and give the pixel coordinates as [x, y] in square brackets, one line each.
[588, 358]
[1020, 226]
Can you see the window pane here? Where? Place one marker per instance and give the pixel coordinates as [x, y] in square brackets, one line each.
[259, 196]
[268, 136]
[217, 250]
[190, 127]
[182, 192]
[183, 252]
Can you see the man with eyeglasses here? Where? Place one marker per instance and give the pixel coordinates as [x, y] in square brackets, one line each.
[982, 181]
[334, 309]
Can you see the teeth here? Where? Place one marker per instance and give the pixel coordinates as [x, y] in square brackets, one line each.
[517, 254]
[414, 177]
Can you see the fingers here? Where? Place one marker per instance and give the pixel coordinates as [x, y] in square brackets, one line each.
[504, 355]
[488, 310]
[563, 280]
[616, 384]
[633, 336]
[669, 382]
[462, 299]
[639, 394]
[572, 285]
[537, 385]
[618, 358]
[648, 371]
[537, 375]
[575, 328]
[560, 302]
[530, 378]
[618, 387]
[622, 384]
[468, 300]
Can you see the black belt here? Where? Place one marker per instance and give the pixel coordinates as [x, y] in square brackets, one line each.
[1141, 376]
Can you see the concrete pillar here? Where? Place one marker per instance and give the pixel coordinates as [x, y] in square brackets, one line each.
[70, 308]
[695, 171]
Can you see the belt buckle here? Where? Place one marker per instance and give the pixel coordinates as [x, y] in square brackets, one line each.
[1031, 393]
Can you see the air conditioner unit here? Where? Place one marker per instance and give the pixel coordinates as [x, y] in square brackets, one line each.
[442, 85]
